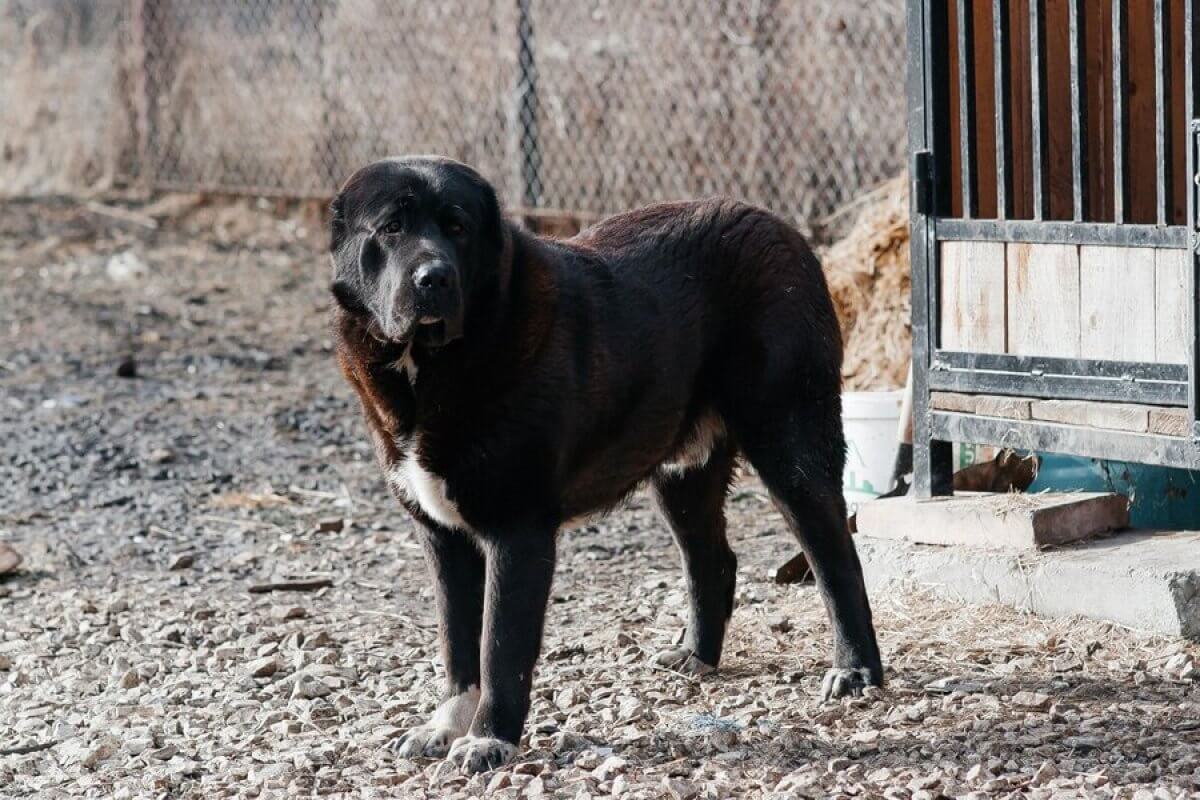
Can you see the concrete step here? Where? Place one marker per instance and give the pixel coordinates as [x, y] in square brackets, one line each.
[1141, 579]
[1003, 521]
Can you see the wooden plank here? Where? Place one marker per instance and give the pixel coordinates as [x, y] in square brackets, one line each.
[1116, 298]
[1170, 306]
[984, 147]
[1142, 165]
[1043, 300]
[952, 401]
[1058, 108]
[1108, 416]
[1169, 421]
[1005, 407]
[972, 297]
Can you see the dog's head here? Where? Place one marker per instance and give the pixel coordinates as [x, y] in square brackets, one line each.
[416, 242]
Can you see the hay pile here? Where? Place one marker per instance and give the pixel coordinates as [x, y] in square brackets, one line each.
[868, 272]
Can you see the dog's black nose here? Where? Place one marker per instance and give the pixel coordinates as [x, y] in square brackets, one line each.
[434, 275]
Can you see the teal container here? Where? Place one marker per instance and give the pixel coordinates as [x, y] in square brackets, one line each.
[1162, 498]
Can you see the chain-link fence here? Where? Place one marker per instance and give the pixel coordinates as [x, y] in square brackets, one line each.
[578, 106]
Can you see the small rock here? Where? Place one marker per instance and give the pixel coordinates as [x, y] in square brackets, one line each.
[5, 663]
[679, 789]
[1035, 701]
[529, 768]
[780, 624]
[164, 753]
[1045, 773]
[138, 745]
[308, 688]
[89, 754]
[609, 768]
[263, 667]
[9, 559]
[182, 561]
[130, 679]
[127, 368]
[837, 765]
[126, 266]
[284, 613]
[161, 455]
[331, 525]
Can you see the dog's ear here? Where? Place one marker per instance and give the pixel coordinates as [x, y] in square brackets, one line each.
[337, 222]
[494, 223]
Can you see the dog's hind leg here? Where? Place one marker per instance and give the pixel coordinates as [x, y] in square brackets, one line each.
[798, 449]
[692, 500]
[457, 569]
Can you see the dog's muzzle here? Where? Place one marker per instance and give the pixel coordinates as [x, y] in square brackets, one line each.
[438, 303]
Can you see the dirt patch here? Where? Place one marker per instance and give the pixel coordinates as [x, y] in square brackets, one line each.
[135, 660]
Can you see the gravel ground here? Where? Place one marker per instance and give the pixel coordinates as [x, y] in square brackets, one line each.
[136, 659]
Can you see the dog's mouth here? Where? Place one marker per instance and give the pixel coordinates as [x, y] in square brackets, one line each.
[435, 332]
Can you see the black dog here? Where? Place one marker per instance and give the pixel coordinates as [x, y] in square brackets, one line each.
[513, 383]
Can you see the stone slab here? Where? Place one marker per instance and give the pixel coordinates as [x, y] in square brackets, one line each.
[1145, 580]
[997, 521]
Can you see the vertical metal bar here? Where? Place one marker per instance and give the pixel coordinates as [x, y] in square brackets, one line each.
[928, 89]
[1120, 79]
[529, 153]
[1191, 78]
[966, 106]
[1078, 111]
[1162, 108]
[1002, 81]
[1041, 140]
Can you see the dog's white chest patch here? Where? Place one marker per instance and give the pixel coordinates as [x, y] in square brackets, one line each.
[426, 490]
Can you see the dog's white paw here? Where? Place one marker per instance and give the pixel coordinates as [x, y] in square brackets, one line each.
[472, 754]
[845, 681]
[451, 720]
[426, 741]
[683, 661]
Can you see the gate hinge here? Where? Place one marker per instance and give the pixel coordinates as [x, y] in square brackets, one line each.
[922, 181]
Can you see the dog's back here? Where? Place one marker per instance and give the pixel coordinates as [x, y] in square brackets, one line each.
[694, 315]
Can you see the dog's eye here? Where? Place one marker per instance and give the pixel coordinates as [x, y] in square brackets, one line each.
[407, 202]
[392, 227]
[454, 227]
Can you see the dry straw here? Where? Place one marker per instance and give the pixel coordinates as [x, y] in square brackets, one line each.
[868, 273]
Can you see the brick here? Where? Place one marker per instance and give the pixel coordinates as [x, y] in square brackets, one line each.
[1108, 416]
[1007, 407]
[1169, 421]
[952, 401]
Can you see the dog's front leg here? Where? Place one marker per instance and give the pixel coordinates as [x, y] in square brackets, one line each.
[457, 569]
[520, 568]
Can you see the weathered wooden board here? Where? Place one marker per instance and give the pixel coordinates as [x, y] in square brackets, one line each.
[1116, 295]
[1171, 306]
[1043, 300]
[972, 296]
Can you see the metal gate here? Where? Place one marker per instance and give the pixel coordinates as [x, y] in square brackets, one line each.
[945, 149]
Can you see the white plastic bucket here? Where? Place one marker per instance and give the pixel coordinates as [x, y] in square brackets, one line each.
[870, 420]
